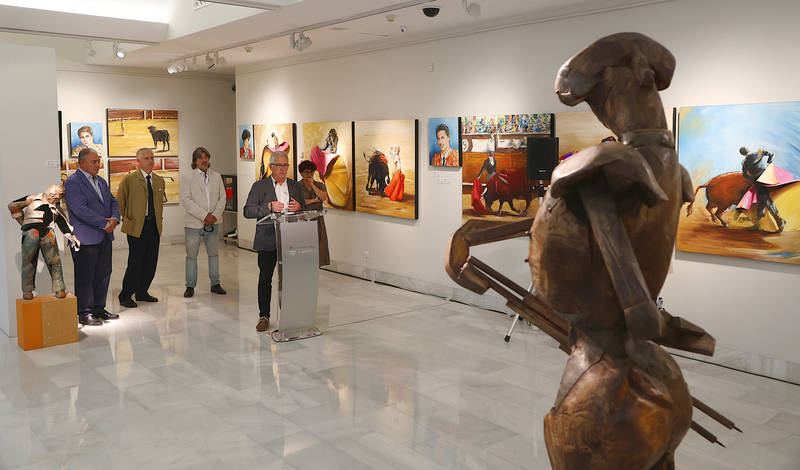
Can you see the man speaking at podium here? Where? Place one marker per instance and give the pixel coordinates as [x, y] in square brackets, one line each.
[273, 194]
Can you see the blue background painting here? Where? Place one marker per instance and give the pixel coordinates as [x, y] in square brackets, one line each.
[74, 140]
[710, 137]
[433, 146]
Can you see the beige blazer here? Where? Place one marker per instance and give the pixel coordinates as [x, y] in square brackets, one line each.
[132, 197]
[194, 200]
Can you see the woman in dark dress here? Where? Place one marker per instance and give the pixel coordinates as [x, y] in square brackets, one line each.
[314, 193]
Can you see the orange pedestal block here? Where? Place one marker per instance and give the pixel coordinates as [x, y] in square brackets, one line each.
[46, 321]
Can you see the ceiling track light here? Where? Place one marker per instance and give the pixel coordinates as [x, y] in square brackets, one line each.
[302, 42]
[172, 69]
[472, 9]
[119, 52]
[209, 61]
[91, 52]
[194, 63]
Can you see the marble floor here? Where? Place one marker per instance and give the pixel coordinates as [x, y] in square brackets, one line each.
[398, 380]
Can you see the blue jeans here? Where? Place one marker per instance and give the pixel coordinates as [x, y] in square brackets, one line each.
[211, 240]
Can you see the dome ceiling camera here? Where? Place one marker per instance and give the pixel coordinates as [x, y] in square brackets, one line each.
[430, 12]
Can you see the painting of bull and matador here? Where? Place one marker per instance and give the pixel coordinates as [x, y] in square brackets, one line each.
[131, 129]
[386, 167]
[744, 162]
[495, 164]
[330, 146]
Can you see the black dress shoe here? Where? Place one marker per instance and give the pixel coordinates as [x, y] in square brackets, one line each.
[106, 315]
[189, 292]
[128, 303]
[146, 298]
[217, 289]
[89, 320]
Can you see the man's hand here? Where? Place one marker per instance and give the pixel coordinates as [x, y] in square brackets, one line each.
[209, 220]
[112, 224]
[294, 205]
[276, 206]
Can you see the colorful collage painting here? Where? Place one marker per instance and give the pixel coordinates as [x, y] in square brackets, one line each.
[744, 161]
[495, 162]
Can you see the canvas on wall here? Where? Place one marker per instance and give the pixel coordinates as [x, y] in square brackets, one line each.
[132, 129]
[246, 142]
[386, 167]
[744, 162]
[495, 162]
[269, 138]
[82, 135]
[330, 146]
[444, 142]
[167, 168]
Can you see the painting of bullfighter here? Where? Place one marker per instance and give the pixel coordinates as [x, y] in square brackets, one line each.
[269, 138]
[131, 129]
[495, 162]
[329, 145]
[167, 168]
[386, 167]
[744, 161]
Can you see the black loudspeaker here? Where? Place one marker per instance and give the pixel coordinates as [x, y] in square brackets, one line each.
[542, 157]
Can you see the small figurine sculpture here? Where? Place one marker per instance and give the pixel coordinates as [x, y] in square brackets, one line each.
[38, 214]
[600, 249]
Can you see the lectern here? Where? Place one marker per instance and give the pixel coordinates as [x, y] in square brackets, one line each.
[298, 274]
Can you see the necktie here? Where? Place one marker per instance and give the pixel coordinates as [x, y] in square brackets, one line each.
[151, 208]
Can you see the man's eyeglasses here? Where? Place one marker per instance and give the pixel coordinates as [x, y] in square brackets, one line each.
[280, 165]
[208, 228]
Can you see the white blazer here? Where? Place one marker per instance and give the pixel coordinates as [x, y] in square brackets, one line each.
[195, 201]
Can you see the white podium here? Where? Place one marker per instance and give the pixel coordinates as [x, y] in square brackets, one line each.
[298, 274]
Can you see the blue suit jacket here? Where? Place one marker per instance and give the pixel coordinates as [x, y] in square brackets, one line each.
[87, 212]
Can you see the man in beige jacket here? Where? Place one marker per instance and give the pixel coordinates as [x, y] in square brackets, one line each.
[203, 197]
[141, 200]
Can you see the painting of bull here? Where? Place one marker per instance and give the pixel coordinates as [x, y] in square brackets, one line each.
[387, 168]
[132, 129]
[159, 135]
[744, 162]
[495, 162]
[506, 186]
[377, 172]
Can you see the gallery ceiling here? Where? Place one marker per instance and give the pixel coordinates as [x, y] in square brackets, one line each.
[157, 33]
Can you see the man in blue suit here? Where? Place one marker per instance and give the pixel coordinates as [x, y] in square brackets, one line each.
[94, 214]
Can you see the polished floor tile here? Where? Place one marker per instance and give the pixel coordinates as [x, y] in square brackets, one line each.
[397, 380]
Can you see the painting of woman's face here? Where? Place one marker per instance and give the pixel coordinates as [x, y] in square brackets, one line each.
[87, 139]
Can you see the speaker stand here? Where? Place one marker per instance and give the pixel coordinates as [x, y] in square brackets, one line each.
[516, 318]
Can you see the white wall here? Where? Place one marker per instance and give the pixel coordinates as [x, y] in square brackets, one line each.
[728, 51]
[206, 115]
[28, 137]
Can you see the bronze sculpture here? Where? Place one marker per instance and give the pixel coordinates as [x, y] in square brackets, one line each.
[600, 248]
[39, 214]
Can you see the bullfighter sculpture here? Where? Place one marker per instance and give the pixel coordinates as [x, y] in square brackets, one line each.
[600, 249]
[39, 214]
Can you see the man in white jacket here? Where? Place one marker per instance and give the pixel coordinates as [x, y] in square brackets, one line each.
[203, 197]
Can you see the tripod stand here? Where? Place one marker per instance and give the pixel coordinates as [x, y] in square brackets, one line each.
[541, 190]
[516, 319]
